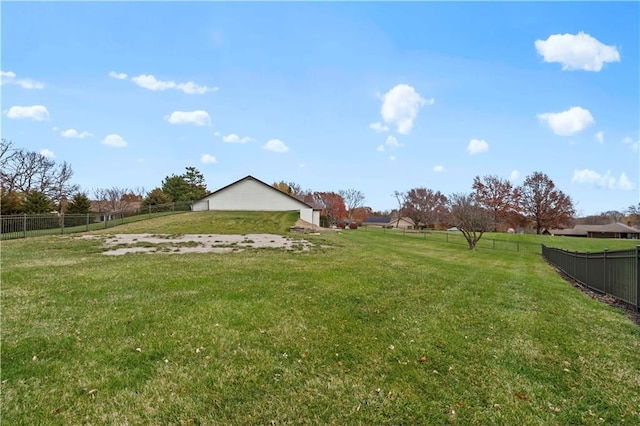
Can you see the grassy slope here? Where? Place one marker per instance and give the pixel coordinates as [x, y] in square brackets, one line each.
[212, 222]
[336, 335]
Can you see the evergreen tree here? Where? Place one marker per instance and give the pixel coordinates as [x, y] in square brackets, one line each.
[80, 204]
[37, 202]
[10, 201]
[156, 197]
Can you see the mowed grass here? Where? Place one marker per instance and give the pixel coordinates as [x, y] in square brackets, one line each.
[376, 329]
[212, 222]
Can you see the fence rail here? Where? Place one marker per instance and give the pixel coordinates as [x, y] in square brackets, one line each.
[458, 238]
[33, 225]
[610, 272]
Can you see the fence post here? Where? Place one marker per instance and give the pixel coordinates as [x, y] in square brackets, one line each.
[62, 223]
[87, 221]
[604, 270]
[586, 268]
[637, 278]
[24, 225]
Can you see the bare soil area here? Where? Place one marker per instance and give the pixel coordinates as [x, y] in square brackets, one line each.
[120, 244]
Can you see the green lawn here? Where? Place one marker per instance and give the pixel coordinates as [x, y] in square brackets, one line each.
[378, 328]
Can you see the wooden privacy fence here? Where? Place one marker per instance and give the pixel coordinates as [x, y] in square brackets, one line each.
[610, 272]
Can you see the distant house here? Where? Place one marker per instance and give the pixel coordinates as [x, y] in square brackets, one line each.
[402, 223]
[105, 210]
[377, 221]
[251, 194]
[612, 230]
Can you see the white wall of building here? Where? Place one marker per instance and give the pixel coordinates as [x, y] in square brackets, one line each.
[253, 195]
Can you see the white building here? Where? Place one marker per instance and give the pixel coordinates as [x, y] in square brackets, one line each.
[251, 194]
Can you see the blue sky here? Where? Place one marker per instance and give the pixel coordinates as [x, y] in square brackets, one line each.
[373, 96]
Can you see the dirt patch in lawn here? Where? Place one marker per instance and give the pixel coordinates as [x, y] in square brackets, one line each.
[120, 244]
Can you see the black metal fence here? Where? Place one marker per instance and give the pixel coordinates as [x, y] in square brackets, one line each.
[456, 237]
[32, 225]
[610, 272]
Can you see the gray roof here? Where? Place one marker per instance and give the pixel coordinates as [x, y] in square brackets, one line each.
[376, 219]
[616, 227]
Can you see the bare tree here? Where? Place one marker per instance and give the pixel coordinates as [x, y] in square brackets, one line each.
[542, 202]
[400, 198]
[470, 217]
[28, 171]
[353, 199]
[116, 199]
[425, 206]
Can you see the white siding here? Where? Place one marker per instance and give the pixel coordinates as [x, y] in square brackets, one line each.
[307, 215]
[253, 195]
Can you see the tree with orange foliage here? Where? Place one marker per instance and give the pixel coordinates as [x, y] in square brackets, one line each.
[332, 205]
[498, 196]
[542, 202]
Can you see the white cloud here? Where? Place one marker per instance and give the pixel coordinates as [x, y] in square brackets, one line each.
[379, 127]
[606, 180]
[628, 141]
[73, 133]
[392, 158]
[400, 107]
[439, 168]
[55, 128]
[149, 82]
[115, 141]
[199, 118]
[569, 122]
[216, 134]
[302, 165]
[476, 146]
[233, 138]
[35, 112]
[392, 141]
[624, 183]
[577, 52]
[118, 75]
[9, 77]
[276, 145]
[514, 176]
[380, 148]
[47, 153]
[208, 159]
[600, 137]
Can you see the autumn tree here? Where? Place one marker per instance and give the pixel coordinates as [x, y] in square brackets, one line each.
[470, 217]
[332, 205]
[498, 196]
[543, 203]
[361, 214]
[353, 199]
[425, 206]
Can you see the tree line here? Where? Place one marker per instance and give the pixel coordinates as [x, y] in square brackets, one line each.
[32, 183]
